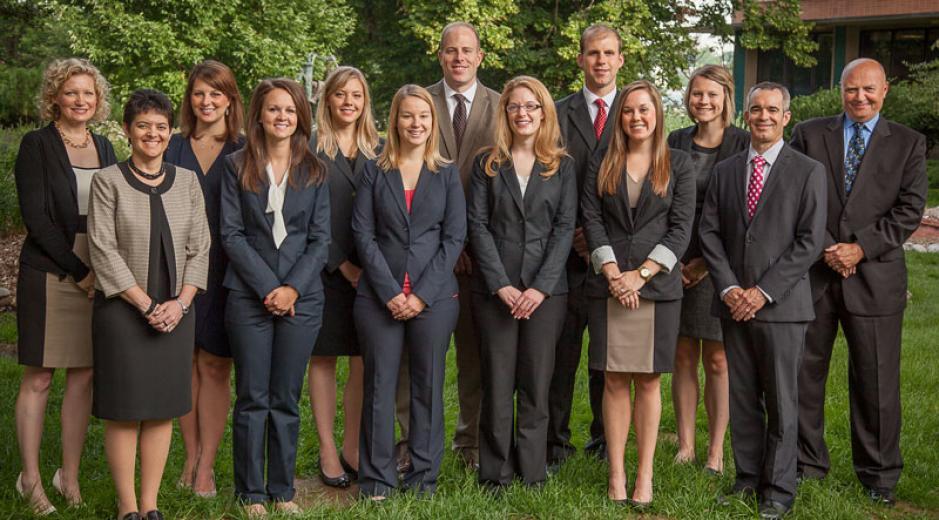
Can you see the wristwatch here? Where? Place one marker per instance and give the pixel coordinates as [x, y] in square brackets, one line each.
[645, 273]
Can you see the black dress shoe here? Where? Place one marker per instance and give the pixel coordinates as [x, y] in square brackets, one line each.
[342, 481]
[154, 515]
[350, 471]
[772, 510]
[404, 458]
[132, 516]
[741, 493]
[883, 497]
[596, 447]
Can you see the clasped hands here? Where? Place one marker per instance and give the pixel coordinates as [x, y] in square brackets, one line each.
[280, 301]
[624, 286]
[843, 258]
[166, 316]
[693, 272]
[404, 307]
[521, 304]
[744, 303]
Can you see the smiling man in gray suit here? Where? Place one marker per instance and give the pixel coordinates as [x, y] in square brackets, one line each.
[762, 228]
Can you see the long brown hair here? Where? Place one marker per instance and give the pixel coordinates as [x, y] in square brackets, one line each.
[548, 147]
[388, 160]
[366, 135]
[253, 174]
[218, 76]
[614, 162]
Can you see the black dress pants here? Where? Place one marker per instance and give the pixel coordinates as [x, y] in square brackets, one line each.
[382, 340]
[516, 368]
[763, 364]
[270, 355]
[566, 360]
[873, 391]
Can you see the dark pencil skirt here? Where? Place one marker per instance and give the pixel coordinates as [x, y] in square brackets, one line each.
[139, 374]
[337, 336]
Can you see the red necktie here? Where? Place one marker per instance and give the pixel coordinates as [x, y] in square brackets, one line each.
[600, 120]
[755, 184]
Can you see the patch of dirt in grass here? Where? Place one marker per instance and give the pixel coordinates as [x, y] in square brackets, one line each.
[312, 492]
[10, 246]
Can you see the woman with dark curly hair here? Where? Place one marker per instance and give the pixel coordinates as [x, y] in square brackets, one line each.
[53, 174]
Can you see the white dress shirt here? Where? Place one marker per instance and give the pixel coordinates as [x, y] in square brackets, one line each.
[592, 107]
[275, 204]
[469, 94]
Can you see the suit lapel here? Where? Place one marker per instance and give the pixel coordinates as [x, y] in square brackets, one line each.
[834, 144]
[396, 188]
[443, 120]
[534, 184]
[343, 165]
[878, 140]
[509, 179]
[58, 147]
[580, 118]
[740, 186]
[478, 109]
[645, 193]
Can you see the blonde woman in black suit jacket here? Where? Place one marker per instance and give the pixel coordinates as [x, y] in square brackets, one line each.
[345, 140]
[275, 229]
[709, 101]
[523, 204]
[637, 208]
[55, 284]
[409, 225]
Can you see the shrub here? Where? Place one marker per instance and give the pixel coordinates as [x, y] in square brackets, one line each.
[18, 88]
[9, 204]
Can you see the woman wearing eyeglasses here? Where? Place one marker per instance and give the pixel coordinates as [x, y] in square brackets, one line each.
[522, 207]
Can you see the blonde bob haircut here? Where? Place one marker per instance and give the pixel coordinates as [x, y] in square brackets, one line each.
[366, 135]
[388, 160]
[720, 75]
[548, 147]
[614, 162]
[57, 73]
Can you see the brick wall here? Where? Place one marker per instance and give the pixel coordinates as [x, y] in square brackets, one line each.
[838, 9]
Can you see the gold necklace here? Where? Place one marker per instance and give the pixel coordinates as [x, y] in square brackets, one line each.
[71, 143]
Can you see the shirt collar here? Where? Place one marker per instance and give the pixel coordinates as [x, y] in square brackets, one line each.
[769, 155]
[592, 98]
[869, 124]
[469, 94]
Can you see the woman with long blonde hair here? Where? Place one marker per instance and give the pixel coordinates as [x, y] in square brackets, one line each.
[409, 225]
[345, 140]
[522, 209]
[637, 207]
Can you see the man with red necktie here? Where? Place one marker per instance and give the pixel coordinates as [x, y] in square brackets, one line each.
[762, 227]
[582, 117]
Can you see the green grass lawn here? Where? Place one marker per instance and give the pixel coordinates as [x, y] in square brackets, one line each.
[579, 490]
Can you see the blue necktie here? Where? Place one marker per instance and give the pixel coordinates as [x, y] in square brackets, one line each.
[852, 161]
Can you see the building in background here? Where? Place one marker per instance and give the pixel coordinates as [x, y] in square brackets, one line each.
[894, 32]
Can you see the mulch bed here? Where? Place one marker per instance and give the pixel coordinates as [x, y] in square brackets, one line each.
[9, 265]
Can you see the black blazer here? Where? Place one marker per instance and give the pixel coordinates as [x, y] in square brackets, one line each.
[775, 249]
[581, 143]
[425, 243]
[735, 141]
[884, 209]
[256, 265]
[45, 184]
[522, 241]
[666, 220]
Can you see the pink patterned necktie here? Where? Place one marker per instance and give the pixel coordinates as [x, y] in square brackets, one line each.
[600, 120]
[755, 186]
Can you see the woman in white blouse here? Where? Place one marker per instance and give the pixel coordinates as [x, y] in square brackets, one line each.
[275, 230]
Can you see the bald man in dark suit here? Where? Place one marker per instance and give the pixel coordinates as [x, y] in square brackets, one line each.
[877, 184]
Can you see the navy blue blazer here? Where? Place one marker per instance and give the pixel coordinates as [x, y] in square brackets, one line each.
[425, 244]
[256, 265]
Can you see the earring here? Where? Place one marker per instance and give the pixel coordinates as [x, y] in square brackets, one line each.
[226, 112]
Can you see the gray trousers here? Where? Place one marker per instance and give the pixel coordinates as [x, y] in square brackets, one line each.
[382, 340]
[763, 364]
[270, 355]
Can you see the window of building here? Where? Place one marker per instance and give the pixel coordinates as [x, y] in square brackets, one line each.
[773, 65]
[898, 48]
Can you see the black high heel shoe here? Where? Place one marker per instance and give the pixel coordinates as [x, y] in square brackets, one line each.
[342, 481]
[352, 473]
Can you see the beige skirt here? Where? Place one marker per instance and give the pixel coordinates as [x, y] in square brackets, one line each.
[636, 341]
[54, 317]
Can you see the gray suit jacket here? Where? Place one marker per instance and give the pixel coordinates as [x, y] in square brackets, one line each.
[480, 128]
[778, 246]
[885, 207]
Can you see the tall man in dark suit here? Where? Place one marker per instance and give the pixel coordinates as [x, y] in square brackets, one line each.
[582, 117]
[762, 228]
[467, 112]
[876, 171]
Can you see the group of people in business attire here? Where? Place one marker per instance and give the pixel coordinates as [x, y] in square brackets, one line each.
[506, 220]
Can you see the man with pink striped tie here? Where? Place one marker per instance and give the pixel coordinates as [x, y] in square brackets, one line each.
[762, 228]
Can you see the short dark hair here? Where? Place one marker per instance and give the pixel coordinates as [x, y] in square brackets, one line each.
[147, 100]
[600, 30]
